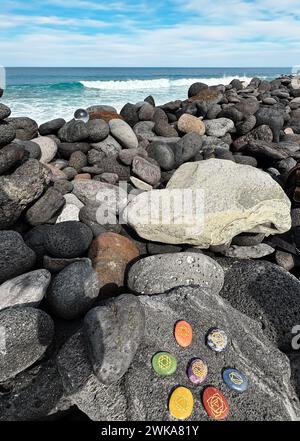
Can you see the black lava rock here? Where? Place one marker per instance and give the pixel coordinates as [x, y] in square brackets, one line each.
[28, 333]
[46, 208]
[31, 147]
[73, 131]
[51, 127]
[67, 148]
[271, 117]
[74, 290]
[98, 130]
[187, 147]
[4, 111]
[196, 88]
[7, 133]
[15, 256]
[130, 115]
[68, 239]
[26, 128]
[11, 156]
[163, 153]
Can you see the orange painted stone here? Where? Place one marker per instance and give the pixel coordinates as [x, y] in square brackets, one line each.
[82, 176]
[215, 403]
[110, 254]
[183, 333]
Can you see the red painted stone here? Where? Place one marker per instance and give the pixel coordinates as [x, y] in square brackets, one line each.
[215, 403]
[183, 333]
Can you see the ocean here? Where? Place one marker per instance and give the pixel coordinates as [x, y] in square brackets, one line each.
[47, 93]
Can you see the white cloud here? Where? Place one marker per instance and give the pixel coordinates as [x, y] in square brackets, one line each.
[220, 33]
[186, 45]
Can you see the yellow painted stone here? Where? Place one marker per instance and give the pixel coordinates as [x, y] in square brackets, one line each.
[181, 403]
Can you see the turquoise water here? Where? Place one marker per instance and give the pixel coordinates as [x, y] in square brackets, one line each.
[46, 93]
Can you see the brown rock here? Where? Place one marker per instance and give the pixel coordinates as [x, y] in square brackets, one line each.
[107, 116]
[82, 176]
[110, 254]
[209, 96]
[189, 123]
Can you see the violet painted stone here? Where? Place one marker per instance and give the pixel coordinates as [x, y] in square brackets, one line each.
[197, 371]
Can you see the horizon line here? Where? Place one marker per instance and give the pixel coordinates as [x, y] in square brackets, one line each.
[148, 67]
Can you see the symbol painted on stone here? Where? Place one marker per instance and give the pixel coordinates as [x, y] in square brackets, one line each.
[215, 403]
[164, 363]
[235, 380]
[181, 403]
[197, 371]
[183, 333]
[217, 340]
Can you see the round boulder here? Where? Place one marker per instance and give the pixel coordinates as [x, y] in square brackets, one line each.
[26, 334]
[189, 123]
[15, 256]
[162, 272]
[74, 290]
[68, 239]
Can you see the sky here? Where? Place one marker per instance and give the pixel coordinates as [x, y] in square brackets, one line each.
[148, 33]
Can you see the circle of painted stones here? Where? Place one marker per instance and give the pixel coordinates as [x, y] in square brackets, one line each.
[181, 402]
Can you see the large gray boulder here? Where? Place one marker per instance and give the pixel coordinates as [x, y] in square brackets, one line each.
[25, 335]
[83, 389]
[265, 292]
[142, 395]
[210, 202]
[19, 189]
[162, 272]
[26, 290]
[74, 290]
[113, 333]
[15, 256]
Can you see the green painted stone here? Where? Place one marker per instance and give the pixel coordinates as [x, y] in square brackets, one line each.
[164, 363]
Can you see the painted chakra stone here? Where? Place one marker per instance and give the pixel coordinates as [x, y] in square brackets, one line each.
[197, 371]
[215, 403]
[164, 363]
[235, 379]
[183, 333]
[217, 340]
[181, 403]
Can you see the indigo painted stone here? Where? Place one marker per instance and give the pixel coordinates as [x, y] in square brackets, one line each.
[215, 403]
[183, 333]
[181, 403]
[217, 340]
[235, 380]
[164, 363]
[197, 371]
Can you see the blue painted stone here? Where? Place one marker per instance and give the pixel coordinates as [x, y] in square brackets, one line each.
[235, 380]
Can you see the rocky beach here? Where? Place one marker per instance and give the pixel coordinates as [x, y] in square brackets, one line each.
[93, 279]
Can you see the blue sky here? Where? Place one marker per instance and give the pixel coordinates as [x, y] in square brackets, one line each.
[191, 33]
